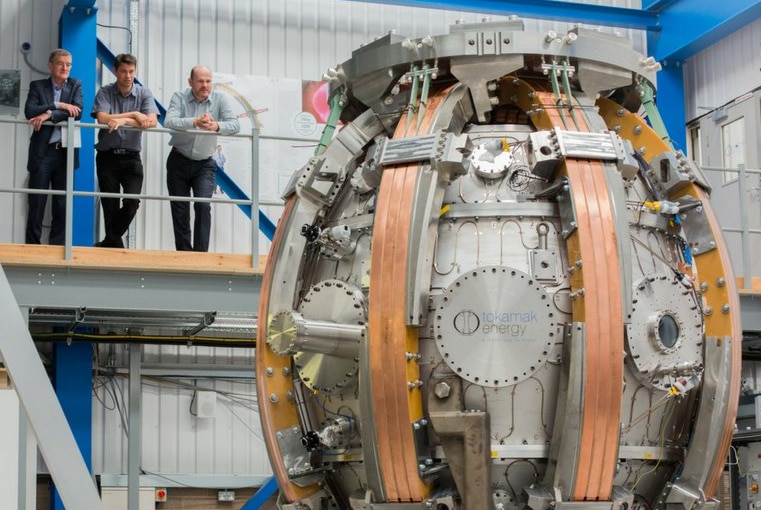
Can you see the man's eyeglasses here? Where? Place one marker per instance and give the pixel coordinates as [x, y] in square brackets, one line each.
[62, 64]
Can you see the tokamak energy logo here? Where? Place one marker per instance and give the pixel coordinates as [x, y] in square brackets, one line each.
[506, 324]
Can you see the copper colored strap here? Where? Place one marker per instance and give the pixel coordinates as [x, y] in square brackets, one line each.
[598, 304]
[281, 414]
[396, 404]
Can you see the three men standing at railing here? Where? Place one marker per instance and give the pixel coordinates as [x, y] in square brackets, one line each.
[118, 163]
[190, 165]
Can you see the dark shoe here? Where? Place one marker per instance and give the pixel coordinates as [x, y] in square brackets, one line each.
[110, 243]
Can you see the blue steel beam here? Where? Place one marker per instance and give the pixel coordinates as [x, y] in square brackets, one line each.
[77, 31]
[264, 493]
[689, 26]
[78, 26]
[72, 377]
[228, 185]
[544, 9]
[656, 5]
[670, 101]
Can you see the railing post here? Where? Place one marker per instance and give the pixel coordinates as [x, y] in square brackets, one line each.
[742, 190]
[69, 232]
[254, 191]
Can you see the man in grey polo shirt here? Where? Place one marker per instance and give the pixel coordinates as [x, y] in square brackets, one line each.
[123, 103]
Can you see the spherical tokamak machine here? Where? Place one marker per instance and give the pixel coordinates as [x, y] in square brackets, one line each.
[497, 287]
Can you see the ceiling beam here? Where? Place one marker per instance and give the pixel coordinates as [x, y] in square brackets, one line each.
[543, 9]
[80, 3]
[655, 5]
[689, 26]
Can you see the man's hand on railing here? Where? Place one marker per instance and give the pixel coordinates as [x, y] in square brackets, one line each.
[36, 122]
[206, 122]
[144, 121]
[114, 124]
[72, 109]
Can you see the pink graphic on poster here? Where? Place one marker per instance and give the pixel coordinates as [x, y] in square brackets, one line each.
[314, 100]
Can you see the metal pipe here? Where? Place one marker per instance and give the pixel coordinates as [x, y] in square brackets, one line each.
[730, 170]
[134, 436]
[337, 103]
[424, 94]
[254, 195]
[413, 98]
[744, 226]
[69, 218]
[136, 195]
[289, 332]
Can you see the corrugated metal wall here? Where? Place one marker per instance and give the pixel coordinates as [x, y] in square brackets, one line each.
[174, 439]
[296, 39]
[35, 22]
[724, 71]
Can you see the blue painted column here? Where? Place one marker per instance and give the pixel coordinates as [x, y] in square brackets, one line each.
[73, 363]
[669, 98]
[78, 35]
[264, 493]
[72, 379]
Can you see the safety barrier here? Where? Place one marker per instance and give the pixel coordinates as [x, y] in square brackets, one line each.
[71, 134]
[745, 272]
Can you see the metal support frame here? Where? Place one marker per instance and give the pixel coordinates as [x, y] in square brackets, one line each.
[55, 437]
[74, 287]
[135, 432]
[676, 30]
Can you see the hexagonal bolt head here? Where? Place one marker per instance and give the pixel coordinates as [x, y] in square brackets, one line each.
[442, 390]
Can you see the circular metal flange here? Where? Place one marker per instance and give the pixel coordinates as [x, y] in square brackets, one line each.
[336, 301]
[491, 160]
[665, 332]
[282, 332]
[495, 326]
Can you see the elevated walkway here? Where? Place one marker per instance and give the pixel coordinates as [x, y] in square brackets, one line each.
[124, 296]
[190, 292]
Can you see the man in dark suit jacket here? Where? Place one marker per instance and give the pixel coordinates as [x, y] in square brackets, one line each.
[52, 99]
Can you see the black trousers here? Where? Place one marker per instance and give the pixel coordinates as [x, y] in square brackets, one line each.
[50, 173]
[184, 175]
[119, 173]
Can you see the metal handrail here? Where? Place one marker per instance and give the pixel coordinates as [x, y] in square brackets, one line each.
[744, 230]
[254, 202]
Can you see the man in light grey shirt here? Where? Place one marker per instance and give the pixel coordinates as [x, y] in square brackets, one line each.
[190, 165]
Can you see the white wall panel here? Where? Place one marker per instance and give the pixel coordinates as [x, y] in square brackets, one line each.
[724, 71]
[36, 22]
[173, 439]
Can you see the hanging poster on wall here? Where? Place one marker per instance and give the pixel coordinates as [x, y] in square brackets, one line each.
[290, 116]
[10, 91]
